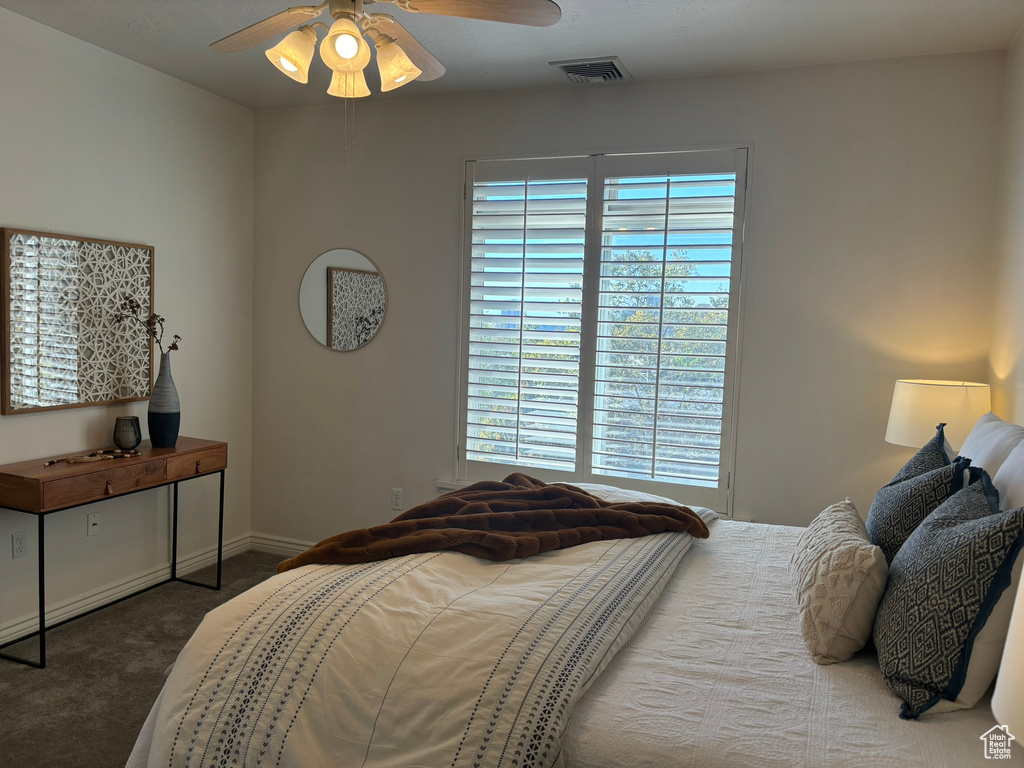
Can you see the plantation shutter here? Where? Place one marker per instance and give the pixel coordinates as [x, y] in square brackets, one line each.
[602, 325]
[667, 233]
[527, 229]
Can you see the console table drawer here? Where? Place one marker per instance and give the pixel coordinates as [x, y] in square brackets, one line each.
[102, 484]
[197, 463]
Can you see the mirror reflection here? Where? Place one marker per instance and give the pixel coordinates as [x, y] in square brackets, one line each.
[343, 299]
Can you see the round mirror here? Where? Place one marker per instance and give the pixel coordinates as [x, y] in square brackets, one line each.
[343, 299]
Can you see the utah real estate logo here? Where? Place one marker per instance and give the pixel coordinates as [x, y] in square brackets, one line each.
[997, 742]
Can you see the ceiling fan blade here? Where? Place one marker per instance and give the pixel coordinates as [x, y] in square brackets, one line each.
[534, 13]
[261, 30]
[421, 57]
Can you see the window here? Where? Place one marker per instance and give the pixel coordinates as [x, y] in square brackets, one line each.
[601, 319]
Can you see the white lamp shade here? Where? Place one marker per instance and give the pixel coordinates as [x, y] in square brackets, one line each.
[348, 85]
[294, 54]
[919, 405]
[1008, 697]
[396, 68]
[344, 49]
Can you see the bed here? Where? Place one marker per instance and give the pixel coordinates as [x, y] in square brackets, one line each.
[706, 668]
[719, 678]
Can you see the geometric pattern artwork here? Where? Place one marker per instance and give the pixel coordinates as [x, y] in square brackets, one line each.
[356, 301]
[65, 346]
[839, 578]
[900, 507]
[943, 586]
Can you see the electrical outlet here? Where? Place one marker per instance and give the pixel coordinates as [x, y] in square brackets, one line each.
[19, 547]
[396, 499]
[93, 526]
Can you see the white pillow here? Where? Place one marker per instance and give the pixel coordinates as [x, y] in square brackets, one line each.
[1009, 480]
[616, 495]
[990, 442]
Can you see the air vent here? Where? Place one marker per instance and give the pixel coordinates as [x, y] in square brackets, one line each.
[604, 69]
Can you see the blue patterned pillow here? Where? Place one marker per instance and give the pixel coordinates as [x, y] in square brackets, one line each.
[934, 455]
[943, 602]
[900, 506]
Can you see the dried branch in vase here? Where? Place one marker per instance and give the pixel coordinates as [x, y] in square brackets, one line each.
[130, 309]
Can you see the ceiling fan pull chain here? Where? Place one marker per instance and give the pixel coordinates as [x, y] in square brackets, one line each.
[349, 106]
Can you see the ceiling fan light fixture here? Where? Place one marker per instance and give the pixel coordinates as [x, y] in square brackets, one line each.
[349, 85]
[401, 58]
[294, 54]
[396, 68]
[344, 49]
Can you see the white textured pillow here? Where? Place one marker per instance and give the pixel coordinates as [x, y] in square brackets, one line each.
[840, 577]
[990, 442]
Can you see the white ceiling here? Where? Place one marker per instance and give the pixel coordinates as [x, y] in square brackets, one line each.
[653, 38]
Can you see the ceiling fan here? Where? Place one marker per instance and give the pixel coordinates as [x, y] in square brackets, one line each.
[400, 56]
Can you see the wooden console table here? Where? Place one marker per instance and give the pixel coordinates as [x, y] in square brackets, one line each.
[40, 490]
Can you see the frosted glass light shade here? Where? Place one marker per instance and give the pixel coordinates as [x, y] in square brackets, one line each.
[344, 49]
[348, 85]
[294, 54]
[919, 405]
[1008, 697]
[396, 68]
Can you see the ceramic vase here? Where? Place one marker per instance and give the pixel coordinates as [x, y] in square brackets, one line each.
[127, 432]
[164, 407]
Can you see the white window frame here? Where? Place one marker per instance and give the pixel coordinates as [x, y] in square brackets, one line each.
[596, 168]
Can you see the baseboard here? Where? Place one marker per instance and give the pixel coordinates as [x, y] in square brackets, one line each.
[97, 598]
[278, 545]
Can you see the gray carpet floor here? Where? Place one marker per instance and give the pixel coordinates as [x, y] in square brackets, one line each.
[103, 672]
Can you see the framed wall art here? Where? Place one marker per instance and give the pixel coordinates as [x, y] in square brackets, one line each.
[63, 346]
[355, 306]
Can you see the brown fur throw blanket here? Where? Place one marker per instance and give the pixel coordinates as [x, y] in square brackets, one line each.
[517, 517]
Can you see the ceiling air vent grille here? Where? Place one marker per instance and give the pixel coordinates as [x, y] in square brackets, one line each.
[605, 69]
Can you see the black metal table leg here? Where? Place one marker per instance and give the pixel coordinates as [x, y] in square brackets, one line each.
[220, 541]
[174, 537]
[220, 530]
[42, 592]
[41, 664]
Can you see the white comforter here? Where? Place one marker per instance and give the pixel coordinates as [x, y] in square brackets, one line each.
[428, 660]
[719, 677]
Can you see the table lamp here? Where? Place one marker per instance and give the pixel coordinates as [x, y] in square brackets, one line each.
[919, 405]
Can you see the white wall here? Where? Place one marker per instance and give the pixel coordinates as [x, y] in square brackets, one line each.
[869, 256]
[93, 144]
[1007, 359]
